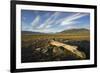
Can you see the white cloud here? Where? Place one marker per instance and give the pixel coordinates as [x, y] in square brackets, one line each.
[35, 22]
[76, 16]
[68, 23]
[49, 21]
[62, 23]
[24, 26]
[48, 26]
[70, 19]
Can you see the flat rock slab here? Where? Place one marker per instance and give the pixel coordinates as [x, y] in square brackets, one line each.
[72, 49]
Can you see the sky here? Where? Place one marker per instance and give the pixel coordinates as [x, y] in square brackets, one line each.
[53, 21]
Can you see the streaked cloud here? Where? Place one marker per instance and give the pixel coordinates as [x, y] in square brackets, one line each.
[35, 22]
[50, 21]
[70, 19]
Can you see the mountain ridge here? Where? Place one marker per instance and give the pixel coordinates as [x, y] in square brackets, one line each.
[80, 30]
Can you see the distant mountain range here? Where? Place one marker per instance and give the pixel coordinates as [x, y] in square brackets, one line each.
[30, 32]
[82, 30]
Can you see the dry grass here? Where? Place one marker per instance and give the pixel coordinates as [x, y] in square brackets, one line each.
[69, 37]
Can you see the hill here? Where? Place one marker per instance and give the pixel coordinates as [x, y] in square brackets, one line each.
[70, 31]
[30, 32]
[76, 31]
